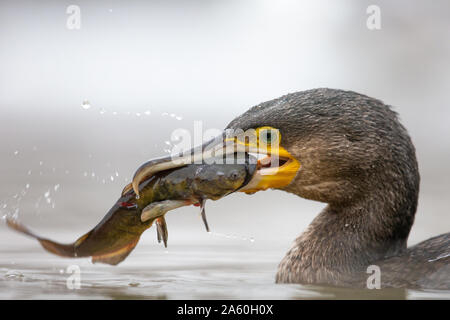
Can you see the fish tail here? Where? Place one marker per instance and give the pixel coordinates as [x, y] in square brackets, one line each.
[63, 250]
[73, 250]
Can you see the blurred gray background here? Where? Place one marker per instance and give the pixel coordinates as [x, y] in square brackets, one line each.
[150, 67]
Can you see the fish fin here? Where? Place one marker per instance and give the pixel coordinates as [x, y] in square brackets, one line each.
[157, 209]
[126, 189]
[162, 229]
[203, 214]
[158, 232]
[63, 250]
[114, 258]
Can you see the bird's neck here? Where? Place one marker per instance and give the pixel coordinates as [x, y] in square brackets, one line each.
[345, 239]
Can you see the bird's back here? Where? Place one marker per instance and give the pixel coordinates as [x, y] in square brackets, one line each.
[425, 265]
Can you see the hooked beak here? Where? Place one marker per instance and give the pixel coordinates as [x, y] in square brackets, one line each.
[276, 167]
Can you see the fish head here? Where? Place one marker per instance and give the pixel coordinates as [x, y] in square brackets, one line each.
[216, 180]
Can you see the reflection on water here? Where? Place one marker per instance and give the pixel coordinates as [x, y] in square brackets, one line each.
[222, 269]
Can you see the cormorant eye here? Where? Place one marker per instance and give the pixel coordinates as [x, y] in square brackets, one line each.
[269, 136]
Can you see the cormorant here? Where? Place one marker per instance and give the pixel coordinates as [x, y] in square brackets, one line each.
[351, 152]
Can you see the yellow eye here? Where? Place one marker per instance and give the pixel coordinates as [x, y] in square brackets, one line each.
[269, 135]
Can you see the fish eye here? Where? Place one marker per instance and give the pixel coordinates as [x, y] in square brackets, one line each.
[234, 175]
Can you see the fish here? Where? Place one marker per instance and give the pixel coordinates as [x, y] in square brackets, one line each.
[118, 233]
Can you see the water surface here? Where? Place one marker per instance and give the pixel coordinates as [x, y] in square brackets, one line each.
[203, 267]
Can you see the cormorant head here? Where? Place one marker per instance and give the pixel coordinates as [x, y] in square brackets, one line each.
[327, 145]
[346, 144]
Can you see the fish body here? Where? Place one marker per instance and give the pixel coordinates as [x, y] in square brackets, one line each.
[112, 240]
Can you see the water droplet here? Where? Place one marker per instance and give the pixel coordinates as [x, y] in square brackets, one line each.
[49, 200]
[138, 114]
[27, 186]
[103, 181]
[86, 105]
[114, 113]
[112, 178]
[147, 113]
[29, 172]
[47, 194]
[172, 115]
[85, 174]
[56, 187]
[41, 163]
[252, 239]
[117, 174]
[16, 152]
[93, 174]
[4, 206]
[179, 118]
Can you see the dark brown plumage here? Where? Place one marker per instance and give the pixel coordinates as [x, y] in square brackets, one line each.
[357, 157]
